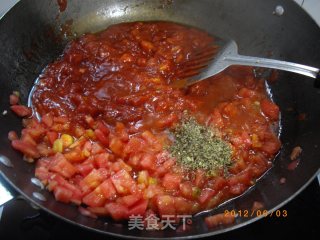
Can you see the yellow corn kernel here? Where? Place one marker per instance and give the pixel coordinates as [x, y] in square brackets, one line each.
[86, 153]
[67, 140]
[152, 181]
[143, 177]
[57, 146]
[16, 93]
[255, 141]
[90, 134]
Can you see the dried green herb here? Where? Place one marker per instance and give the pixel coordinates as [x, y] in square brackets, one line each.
[197, 147]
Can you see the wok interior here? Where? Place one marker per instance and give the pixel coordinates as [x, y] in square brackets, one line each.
[28, 43]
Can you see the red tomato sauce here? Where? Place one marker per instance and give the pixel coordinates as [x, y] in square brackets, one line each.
[106, 107]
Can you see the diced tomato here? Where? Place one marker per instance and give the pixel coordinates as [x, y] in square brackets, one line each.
[14, 99]
[101, 137]
[47, 119]
[75, 156]
[139, 208]
[121, 132]
[247, 93]
[108, 189]
[186, 189]
[129, 200]
[26, 148]
[120, 164]
[62, 194]
[21, 111]
[219, 183]
[219, 219]
[103, 128]
[84, 169]
[95, 198]
[270, 109]
[182, 205]
[117, 211]
[152, 191]
[147, 161]
[123, 182]
[200, 178]
[271, 147]
[116, 146]
[135, 144]
[206, 194]
[165, 204]
[171, 181]
[91, 181]
[97, 148]
[99, 211]
[216, 119]
[52, 136]
[102, 160]
[59, 164]
[12, 135]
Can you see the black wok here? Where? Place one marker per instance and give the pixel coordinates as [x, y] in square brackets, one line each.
[28, 43]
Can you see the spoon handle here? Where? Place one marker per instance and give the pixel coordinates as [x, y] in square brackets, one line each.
[271, 63]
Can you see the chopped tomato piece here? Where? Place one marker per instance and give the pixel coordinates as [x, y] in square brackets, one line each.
[165, 204]
[59, 164]
[139, 208]
[26, 148]
[21, 111]
[123, 182]
[95, 198]
[130, 200]
[206, 194]
[219, 219]
[270, 109]
[108, 189]
[14, 99]
[117, 211]
[171, 181]
[62, 194]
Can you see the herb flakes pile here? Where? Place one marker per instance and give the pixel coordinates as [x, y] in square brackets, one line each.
[197, 147]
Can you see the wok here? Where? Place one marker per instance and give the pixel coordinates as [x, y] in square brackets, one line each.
[28, 36]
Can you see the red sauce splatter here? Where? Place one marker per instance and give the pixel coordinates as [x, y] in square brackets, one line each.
[62, 5]
[293, 165]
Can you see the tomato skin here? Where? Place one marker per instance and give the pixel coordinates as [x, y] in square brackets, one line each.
[270, 109]
[171, 181]
[117, 211]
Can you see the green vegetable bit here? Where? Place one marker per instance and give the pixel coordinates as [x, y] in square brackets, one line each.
[197, 147]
